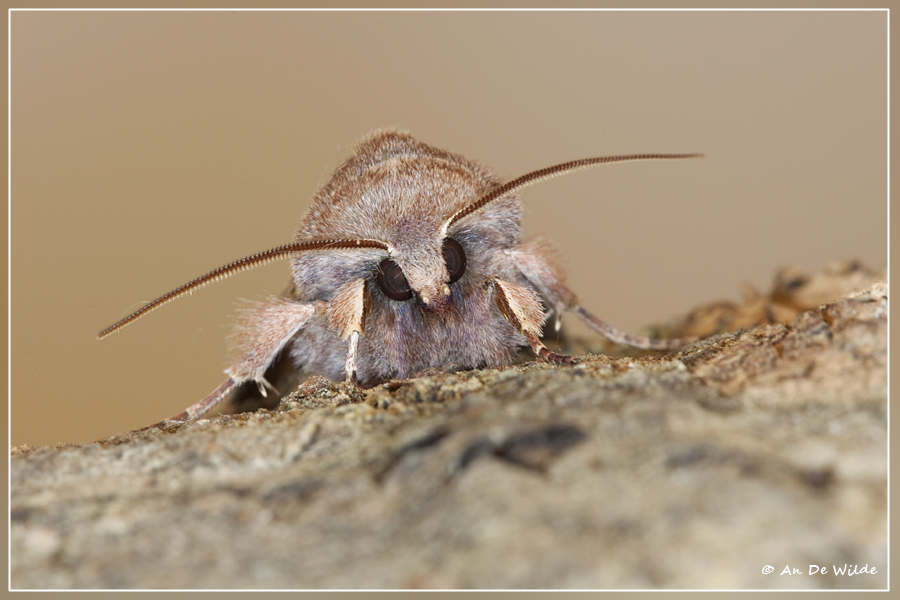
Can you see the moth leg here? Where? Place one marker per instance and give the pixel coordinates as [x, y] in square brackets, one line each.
[532, 261]
[523, 308]
[262, 333]
[352, 364]
[346, 313]
[622, 337]
[195, 411]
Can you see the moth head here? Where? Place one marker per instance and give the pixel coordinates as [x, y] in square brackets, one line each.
[423, 270]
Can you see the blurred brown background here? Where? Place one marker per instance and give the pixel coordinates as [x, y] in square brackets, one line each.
[149, 148]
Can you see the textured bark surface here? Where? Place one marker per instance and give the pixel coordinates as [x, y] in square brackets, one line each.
[764, 446]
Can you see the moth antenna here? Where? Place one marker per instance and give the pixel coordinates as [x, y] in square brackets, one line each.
[237, 266]
[549, 173]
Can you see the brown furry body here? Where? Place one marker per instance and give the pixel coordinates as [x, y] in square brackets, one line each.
[409, 258]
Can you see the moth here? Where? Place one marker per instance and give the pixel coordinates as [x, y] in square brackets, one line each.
[409, 258]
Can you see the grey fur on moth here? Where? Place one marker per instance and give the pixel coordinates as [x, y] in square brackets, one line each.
[401, 191]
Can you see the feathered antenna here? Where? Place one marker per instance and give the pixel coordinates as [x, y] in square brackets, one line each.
[549, 173]
[237, 266]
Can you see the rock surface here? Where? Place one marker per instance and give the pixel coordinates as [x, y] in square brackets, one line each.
[765, 446]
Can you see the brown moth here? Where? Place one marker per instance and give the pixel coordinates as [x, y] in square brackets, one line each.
[409, 258]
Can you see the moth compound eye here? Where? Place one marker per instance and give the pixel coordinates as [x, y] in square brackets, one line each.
[392, 281]
[454, 258]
